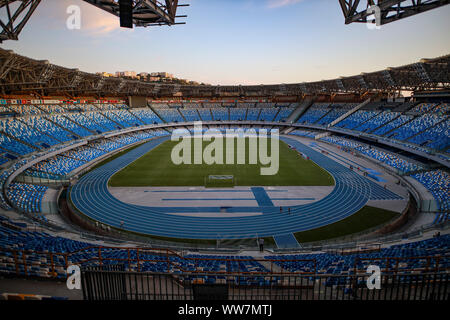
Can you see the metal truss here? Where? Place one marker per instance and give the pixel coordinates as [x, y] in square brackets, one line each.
[145, 12]
[14, 14]
[385, 11]
[19, 74]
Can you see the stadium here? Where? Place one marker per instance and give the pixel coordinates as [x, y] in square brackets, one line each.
[280, 191]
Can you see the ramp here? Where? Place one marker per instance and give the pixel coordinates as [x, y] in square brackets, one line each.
[286, 241]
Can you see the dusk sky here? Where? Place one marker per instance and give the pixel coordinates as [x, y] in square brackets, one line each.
[235, 41]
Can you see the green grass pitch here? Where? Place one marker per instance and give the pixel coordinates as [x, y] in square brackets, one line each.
[156, 169]
[366, 218]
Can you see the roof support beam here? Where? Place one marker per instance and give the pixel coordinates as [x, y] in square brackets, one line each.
[11, 28]
[388, 10]
[21, 74]
[145, 12]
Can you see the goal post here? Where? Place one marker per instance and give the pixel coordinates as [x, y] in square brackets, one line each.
[220, 181]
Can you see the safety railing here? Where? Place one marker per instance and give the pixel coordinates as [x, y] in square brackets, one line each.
[115, 284]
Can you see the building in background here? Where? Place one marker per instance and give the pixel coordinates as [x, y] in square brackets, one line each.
[128, 74]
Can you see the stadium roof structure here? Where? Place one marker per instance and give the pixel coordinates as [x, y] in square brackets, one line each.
[145, 13]
[385, 11]
[19, 74]
[17, 14]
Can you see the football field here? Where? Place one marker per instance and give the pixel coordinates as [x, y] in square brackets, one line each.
[337, 214]
[156, 168]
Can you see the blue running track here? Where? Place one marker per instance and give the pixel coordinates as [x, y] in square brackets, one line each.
[352, 191]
